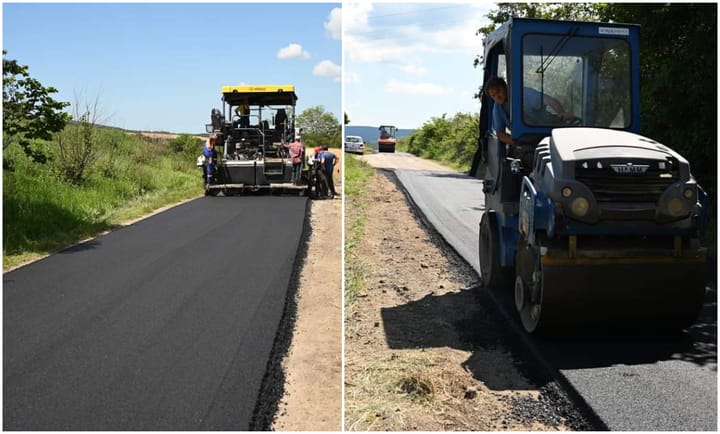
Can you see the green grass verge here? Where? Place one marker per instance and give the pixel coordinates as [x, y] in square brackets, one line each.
[357, 176]
[42, 213]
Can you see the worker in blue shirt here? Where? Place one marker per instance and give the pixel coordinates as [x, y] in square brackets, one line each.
[496, 88]
[328, 160]
[210, 155]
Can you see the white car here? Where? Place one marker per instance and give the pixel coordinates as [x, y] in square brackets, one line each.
[354, 144]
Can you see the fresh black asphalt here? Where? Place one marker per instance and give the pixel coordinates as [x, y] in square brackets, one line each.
[166, 324]
[631, 382]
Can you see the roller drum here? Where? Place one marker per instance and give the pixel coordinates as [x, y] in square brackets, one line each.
[561, 293]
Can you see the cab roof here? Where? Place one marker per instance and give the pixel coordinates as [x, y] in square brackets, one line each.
[260, 95]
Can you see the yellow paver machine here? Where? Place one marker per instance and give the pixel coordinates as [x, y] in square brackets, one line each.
[253, 130]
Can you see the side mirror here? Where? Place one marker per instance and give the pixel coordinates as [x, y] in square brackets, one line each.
[208, 128]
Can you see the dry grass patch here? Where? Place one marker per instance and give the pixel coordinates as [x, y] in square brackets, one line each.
[419, 390]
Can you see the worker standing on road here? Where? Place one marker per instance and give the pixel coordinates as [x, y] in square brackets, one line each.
[210, 155]
[328, 160]
[317, 175]
[297, 153]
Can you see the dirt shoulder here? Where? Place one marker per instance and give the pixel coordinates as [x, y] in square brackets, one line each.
[424, 349]
[312, 399]
[313, 366]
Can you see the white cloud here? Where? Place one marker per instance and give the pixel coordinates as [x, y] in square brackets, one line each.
[375, 51]
[462, 38]
[394, 86]
[407, 53]
[393, 40]
[326, 68]
[351, 77]
[334, 24]
[293, 51]
[414, 69]
[356, 17]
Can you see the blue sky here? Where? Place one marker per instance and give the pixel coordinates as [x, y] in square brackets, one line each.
[407, 62]
[161, 66]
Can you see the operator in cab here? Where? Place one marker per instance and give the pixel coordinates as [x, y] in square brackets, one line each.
[496, 88]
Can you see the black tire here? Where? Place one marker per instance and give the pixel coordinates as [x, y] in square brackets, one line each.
[529, 291]
[493, 275]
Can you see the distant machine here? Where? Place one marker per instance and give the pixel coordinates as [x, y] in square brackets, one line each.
[386, 139]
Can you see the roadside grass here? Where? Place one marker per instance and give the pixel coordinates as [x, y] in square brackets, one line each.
[130, 177]
[391, 390]
[357, 176]
[384, 387]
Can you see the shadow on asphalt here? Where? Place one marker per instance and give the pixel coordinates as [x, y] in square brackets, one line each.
[453, 175]
[601, 348]
[87, 245]
[628, 344]
[418, 323]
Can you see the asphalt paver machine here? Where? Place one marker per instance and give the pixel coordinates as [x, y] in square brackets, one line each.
[253, 129]
[589, 221]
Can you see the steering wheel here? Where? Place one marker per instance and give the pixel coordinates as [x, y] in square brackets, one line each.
[544, 117]
[573, 121]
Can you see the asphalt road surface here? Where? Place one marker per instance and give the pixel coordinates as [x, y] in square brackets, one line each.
[641, 382]
[166, 324]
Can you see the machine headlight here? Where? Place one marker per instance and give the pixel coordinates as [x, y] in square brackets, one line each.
[579, 206]
[677, 201]
[567, 192]
[676, 207]
[689, 193]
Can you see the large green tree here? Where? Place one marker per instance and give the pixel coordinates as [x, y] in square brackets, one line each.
[554, 11]
[678, 79]
[448, 139]
[319, 128]
[29, 112]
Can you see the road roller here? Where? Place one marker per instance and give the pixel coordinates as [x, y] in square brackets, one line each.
[587, 221]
